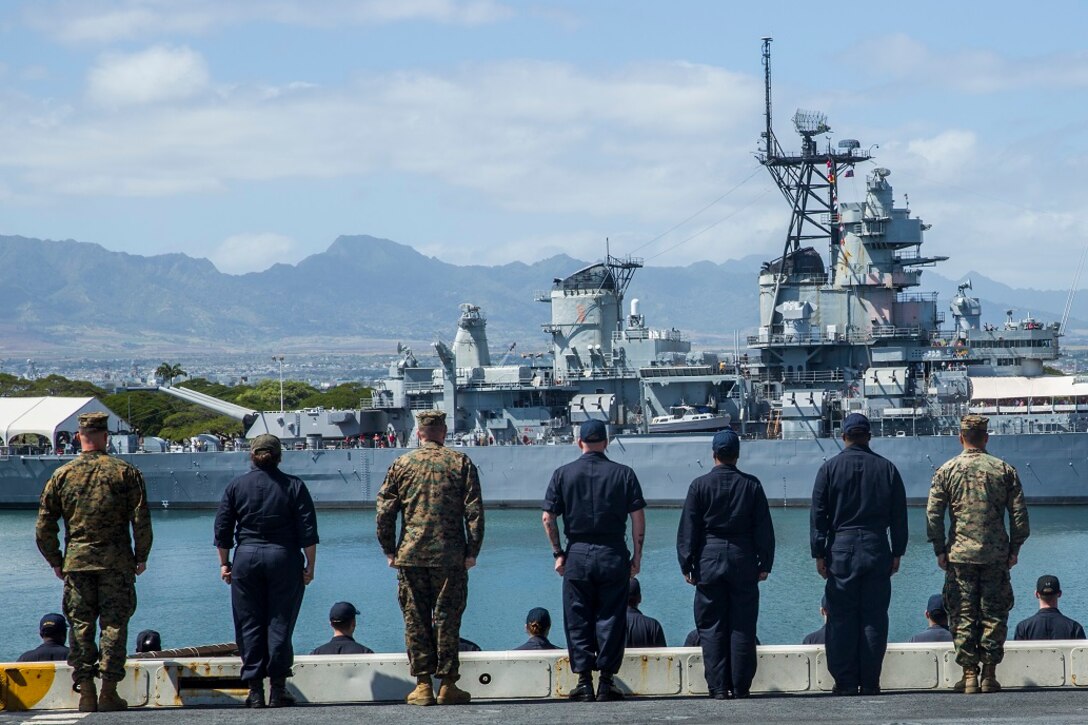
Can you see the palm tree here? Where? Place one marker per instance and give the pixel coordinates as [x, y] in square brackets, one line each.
[169, 372]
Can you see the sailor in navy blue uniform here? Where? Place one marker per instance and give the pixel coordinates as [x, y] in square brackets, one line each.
[342, 619]
[642, 631]
[937, 617]
[820, 635]
[269, 517]
[857, 499]
[538, 623]
[725, 544]
[595, 496]
[53, 629]
[1048, 622]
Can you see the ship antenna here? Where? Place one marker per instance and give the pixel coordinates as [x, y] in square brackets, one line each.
[1072, 292]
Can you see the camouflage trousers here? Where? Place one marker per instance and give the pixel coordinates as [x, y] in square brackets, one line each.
[432, 600]
[978, 598]
[92, 597]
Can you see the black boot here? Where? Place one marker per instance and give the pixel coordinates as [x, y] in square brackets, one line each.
[607, 690]
[277, 693]
[583, 692]
[255, 698]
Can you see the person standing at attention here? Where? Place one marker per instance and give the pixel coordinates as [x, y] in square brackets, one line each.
[595, 496]
[725, 544]
[436, 492]
[977, 553]
[268, 518]
[100, 498]
[857, 499]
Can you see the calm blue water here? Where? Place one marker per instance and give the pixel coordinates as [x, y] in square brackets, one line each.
[182, 597]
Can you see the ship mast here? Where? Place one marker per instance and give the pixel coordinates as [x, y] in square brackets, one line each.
[809, 180]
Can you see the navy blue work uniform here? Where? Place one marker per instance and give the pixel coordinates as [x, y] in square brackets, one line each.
[537, 642]
[857, 498]
[594, 496]
[643, 631]
[47, 651]
[269, 517]
[1049, 624]
[725, 539]
[342, 644]
[932, 633]
[817, 637]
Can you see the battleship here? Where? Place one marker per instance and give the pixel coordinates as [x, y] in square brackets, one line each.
[842, 329]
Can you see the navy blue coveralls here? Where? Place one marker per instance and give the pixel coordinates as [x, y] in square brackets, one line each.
[857, 498]
[725, 539]
[594, 496]
[1049, 624]
[270, 517]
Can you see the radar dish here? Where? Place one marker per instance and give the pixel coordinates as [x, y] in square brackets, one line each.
[810, 123]
[849, 143]
[881, 172]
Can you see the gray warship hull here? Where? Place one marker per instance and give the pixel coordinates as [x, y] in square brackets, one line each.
[1053, 469]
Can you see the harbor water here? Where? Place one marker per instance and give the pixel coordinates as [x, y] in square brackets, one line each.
[183, 598]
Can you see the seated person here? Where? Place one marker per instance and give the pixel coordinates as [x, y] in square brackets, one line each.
[692, 640]
[467, 645]
[342, 620]
[937, 631]
[1048, 622]
[53, 629]
[537, 624]
[642, 631]
[148, 641]
[820, 635]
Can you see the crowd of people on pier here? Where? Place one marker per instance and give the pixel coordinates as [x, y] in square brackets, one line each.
[430, 527]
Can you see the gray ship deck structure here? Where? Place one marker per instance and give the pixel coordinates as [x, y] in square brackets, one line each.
[843, 328]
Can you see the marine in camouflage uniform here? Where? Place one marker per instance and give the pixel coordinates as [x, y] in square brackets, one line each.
[976, 489]
[99, 498]
[436, 491]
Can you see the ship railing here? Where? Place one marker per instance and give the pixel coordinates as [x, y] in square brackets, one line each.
[807, 338]
[813, 376]
[916, 297]
[883, 331]
[669, 371]
[421, 387]
[647, 334]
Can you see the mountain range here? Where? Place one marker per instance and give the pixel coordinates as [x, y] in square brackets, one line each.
[69, 297]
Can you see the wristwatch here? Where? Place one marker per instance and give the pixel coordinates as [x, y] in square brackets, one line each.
[558, 553]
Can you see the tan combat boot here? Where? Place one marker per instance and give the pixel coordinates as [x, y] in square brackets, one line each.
[88, 696]
[109, 700]
[989, 679]
[423, 694]
[968, 684]
[450, 694]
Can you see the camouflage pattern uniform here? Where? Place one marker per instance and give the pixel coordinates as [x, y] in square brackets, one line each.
[98, 497]
[977, 489]
[437, 492]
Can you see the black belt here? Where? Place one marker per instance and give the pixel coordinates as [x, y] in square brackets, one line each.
[590, 539]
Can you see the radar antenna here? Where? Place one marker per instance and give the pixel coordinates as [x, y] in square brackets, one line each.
[808, 180]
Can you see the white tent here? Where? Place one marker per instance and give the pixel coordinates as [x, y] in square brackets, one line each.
[48, 416]
[1019, 388]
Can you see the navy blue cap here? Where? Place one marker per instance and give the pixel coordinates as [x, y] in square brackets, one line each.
[1048, 584]
[593, 431]
[935, 604]
[148, 641]
[343, 612]
[726, 442]
[855, 423]
[52, 624]
[540, 616]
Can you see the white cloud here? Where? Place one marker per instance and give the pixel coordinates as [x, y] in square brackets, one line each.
[253, 252]
[78, 21]
[160, 73]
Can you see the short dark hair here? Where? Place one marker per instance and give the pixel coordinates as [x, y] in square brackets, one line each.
[974, 436]
[857, 437]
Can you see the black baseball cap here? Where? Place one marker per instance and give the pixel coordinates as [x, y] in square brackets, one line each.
[593, 431]
[726, 442]
[855, 423]
[935, 604]
[52, 625]
[148, 641]
[343, 612]
[1048, 584]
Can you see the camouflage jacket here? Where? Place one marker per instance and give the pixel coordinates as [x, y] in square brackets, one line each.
[98, 497]
[437, 492]
[976, 489]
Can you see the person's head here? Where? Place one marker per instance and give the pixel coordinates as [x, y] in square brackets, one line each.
[53, 628]
[825, 608]
[342, 618]
[94, 434]
[538, 622]
[856, 430]
[265, 451]
[593, 436]
[634, 593]
[974, 431]
[431, 425]
[726, 446]
[935, 611]
[148, 641]
[1048, 590]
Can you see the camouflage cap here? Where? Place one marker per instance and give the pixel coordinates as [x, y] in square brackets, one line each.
[974, 422]
[431, 417]
[266, 442]
[94, 421]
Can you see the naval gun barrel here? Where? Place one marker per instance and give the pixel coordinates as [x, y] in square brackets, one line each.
[210, 402]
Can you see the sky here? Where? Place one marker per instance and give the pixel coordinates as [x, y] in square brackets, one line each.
[253, 132]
